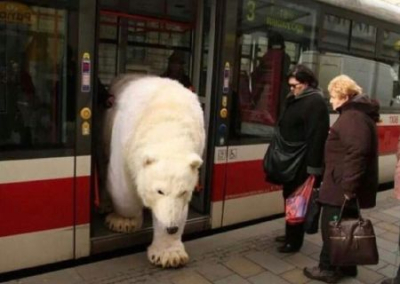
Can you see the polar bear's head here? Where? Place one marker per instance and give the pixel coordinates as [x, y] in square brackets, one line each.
[166, 184]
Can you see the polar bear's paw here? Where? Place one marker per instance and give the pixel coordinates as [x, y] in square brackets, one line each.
[120, 224]
[174, 256]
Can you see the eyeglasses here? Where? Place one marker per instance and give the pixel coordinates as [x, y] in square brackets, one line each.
[293, 85]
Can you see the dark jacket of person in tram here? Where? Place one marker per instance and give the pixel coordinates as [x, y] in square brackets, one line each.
[176, 71]
[351, 167]
[304, 119]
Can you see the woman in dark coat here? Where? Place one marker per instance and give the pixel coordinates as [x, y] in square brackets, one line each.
[304, 119]
[351, 167]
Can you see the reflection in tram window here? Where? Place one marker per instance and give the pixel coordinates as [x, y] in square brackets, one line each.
[272, 36]
[139, 42]
[336, 32]
[378, 80]
[32, 66]
[391, 45]
[356, 58]
[363, 37]
[176, 69]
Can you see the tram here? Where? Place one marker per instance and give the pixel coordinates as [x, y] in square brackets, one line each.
[58, 59]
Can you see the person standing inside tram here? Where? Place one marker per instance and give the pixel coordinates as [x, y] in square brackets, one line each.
[19, 100]
[305, 118]
[176, 70]
[351, 167]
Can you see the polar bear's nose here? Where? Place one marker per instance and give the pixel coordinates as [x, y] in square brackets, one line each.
[172, 230]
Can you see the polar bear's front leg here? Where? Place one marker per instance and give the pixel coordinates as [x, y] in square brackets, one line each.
[167, 250]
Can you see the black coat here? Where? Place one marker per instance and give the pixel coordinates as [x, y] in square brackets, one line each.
[351, 155]
[305, 118]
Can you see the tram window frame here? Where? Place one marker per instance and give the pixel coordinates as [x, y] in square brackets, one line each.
[353, 22]
[59, 138]
[162, 51]
[306, 41]
[381, 49]
[377, 54]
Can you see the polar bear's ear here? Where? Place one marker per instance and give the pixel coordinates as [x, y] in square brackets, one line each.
[195, 161]
[148, 159]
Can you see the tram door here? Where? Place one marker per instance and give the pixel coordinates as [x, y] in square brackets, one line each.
[155, 37]
[165, 38]
[44, 162]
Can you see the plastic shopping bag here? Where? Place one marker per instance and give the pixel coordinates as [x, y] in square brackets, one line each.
[297, 203]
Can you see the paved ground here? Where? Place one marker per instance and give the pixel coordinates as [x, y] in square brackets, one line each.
[246, 255]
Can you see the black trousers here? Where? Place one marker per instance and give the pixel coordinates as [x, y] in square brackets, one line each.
[295, 235]
[331, 213]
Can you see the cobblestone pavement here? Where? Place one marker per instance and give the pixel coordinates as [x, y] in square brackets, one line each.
[246, 255]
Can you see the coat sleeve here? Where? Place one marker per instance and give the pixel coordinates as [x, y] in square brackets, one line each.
[316, 127]
[356, 136]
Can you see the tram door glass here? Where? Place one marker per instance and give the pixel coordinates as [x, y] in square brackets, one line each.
[37, 82]
[272, 34]
[155, 38]
[152, 39]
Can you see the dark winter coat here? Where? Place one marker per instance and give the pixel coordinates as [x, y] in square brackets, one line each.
[351, 155]
[305, 118]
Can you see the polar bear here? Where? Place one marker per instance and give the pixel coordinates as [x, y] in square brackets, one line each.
[156, 140]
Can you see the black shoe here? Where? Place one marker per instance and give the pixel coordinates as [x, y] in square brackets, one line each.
[319, 274]
[288, 248]
[280, 239]
[350, 271]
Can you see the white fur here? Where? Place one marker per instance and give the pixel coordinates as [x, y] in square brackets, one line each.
[157, 141]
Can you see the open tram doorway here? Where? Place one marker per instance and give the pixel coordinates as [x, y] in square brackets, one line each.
[155, 37]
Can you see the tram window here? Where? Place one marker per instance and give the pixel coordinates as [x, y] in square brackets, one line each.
[146, 44]
[37, 86]
[343, 35]
[363, 37]
[336, 32]
[391, 45]
[271, 36]
[107, 51]
[205, 48]
[107, 54]
[379, 80]
[108, 27]
[151, 43]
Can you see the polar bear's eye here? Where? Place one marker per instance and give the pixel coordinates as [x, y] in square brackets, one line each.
[160, 192]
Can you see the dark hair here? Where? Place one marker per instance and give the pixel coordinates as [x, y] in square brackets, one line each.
[177, 57]
[276, 39]
[303, 74]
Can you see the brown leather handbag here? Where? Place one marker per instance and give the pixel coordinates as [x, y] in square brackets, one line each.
[352, 241]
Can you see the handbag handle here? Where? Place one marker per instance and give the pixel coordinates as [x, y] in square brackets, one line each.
[342, 209]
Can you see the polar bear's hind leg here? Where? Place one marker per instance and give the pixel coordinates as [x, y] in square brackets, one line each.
[120, 224]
